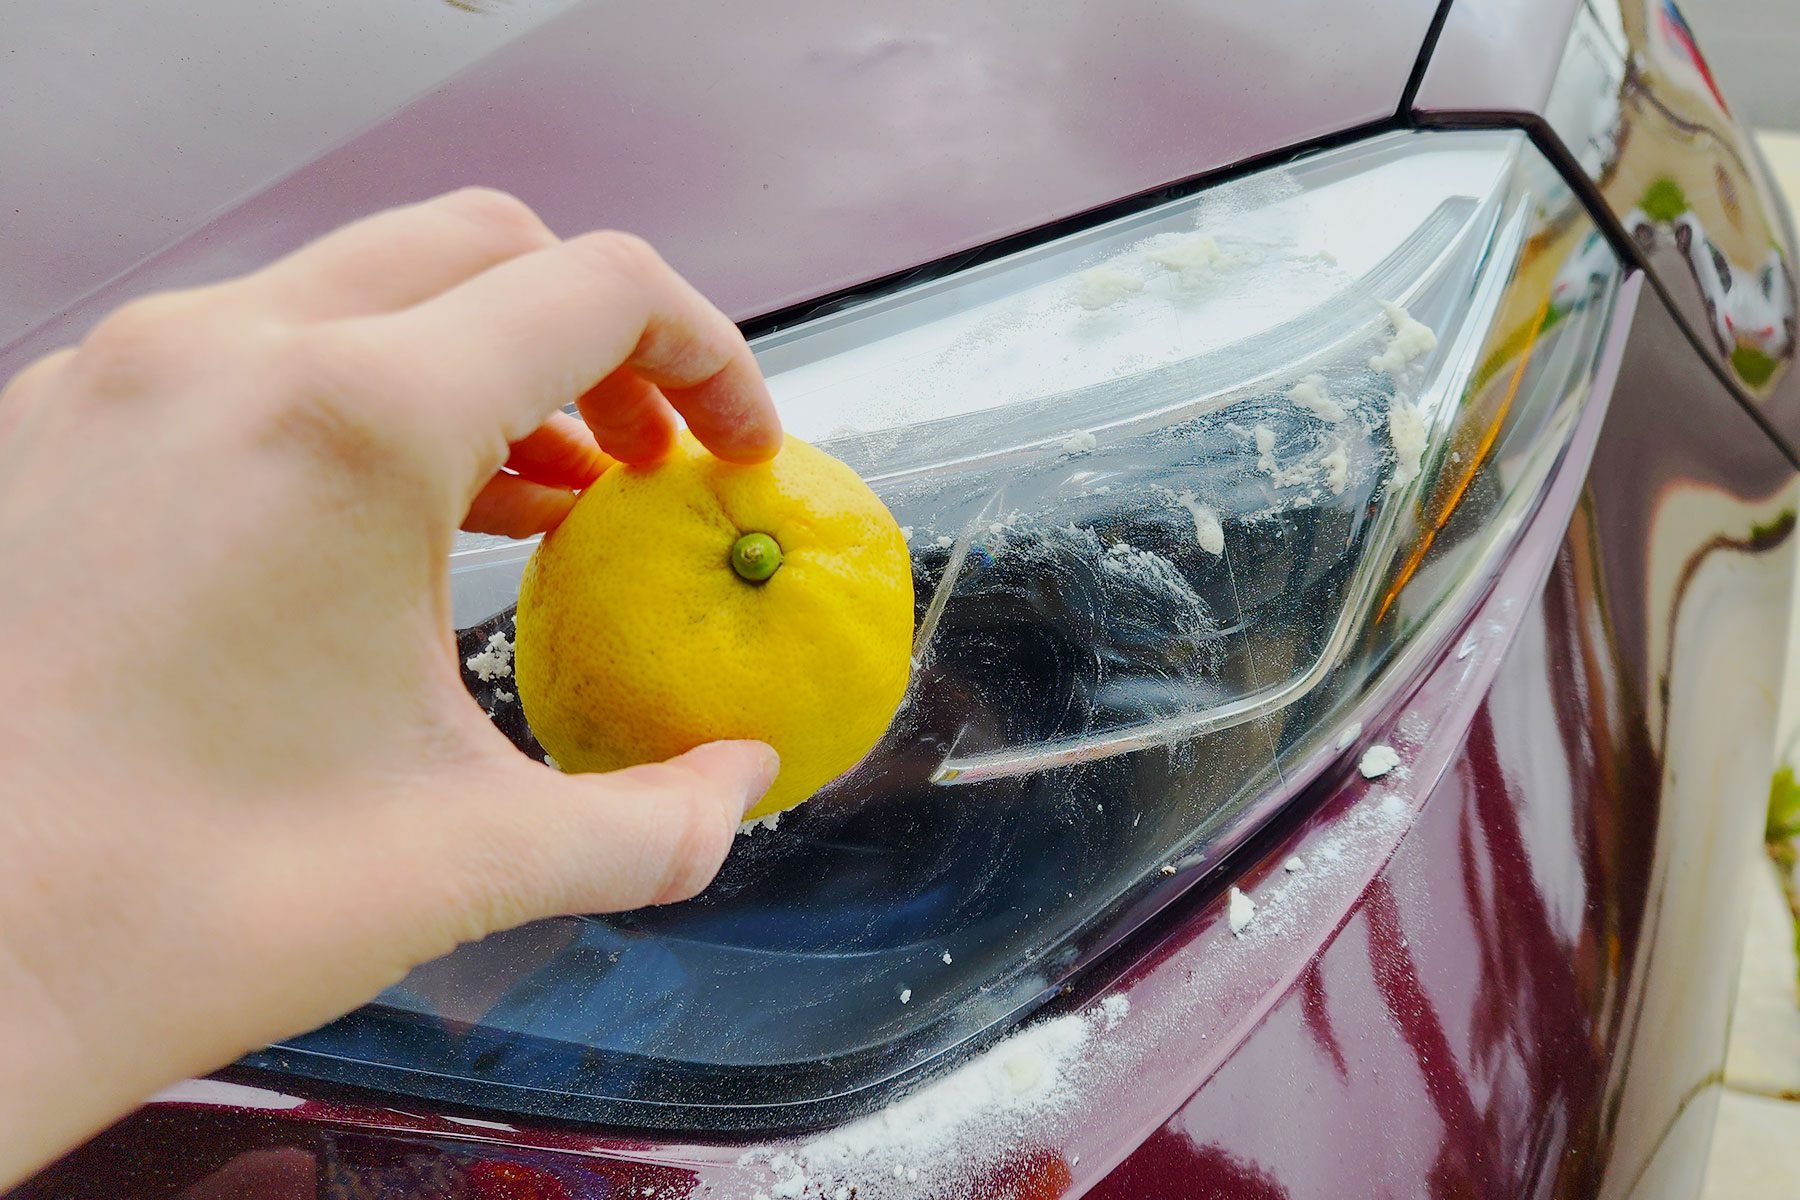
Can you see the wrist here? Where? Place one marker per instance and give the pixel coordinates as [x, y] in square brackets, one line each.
[74, 1052]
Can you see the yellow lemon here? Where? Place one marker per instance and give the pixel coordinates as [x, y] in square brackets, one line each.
[696, 599]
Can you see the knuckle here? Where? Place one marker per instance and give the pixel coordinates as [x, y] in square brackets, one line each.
[36, 374]
[136, 343]
[499, 216]
[617, 255]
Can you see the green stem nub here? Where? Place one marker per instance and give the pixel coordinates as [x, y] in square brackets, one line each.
[755, 556]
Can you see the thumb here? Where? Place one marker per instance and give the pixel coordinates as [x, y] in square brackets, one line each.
[544, 844]
[441, 862]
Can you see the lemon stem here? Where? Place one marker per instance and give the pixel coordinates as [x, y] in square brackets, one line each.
[755, 556]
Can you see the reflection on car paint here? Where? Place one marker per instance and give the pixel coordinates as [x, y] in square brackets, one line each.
[1529, 1004]
[1673, 46]
[1638, 107]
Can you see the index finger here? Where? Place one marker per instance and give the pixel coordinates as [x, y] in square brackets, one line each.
[524, 338]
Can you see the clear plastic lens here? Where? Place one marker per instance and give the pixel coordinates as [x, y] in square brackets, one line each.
[1180, 491]
[1178, 307]
[1146, 416]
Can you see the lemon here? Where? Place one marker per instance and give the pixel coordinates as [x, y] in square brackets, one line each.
[696, 599]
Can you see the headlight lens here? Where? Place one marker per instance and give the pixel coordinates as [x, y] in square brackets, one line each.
[1181, 490]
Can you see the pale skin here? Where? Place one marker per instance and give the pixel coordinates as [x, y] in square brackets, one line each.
[245, 789]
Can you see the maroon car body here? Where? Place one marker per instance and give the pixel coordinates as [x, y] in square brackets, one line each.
[1518, 985]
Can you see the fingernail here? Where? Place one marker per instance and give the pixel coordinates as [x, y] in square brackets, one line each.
[751, 765]
[768, 766]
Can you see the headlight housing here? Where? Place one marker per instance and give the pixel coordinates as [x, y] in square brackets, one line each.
[1182, 491]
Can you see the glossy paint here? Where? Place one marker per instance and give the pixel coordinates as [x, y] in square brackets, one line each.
[1531, 996]
[1500, 56]
[1504, 971]
[774, 154]
[1634, 106]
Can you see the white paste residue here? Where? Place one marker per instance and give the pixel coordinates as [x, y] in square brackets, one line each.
[1240, 910]
[1265, 449]
[905, 995]
[906, 532]
[1100, 286]
[1152, 569]
[1284, 904]
[1024, 1072]
[1312, 395]
[1265, 461]
[1208, 532]
[552, 763]
[1410, 340]
[494, 661]
[1337, 468]
[1113, 1009]
[1194, 258]
[923, 1143]
[1407, 429]
[1293, 864]
[1079, 442]
[1349, 736]
[769, 822]
[1377, 761]
[794, 1185]
[946, 958]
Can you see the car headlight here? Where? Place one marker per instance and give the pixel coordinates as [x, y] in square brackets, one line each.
[1181, 491]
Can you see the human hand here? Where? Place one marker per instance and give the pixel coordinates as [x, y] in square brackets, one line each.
[247, 789]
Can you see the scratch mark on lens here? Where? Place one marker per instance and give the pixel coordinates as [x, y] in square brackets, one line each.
[940, 597]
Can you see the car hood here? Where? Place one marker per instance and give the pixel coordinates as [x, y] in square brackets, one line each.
[775, 153]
